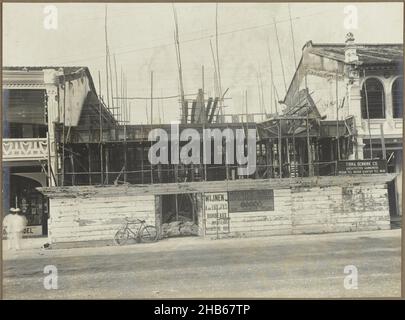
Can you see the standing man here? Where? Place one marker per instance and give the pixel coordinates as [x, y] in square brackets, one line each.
[14, 224]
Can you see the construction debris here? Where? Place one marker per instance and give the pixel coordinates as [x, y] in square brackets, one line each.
[179, 229]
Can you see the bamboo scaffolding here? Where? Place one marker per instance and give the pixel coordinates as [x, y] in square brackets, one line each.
[368, 114]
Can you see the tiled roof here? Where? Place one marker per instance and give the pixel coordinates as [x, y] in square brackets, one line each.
[368, 53]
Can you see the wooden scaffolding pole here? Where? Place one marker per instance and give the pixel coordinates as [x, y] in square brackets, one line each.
[279, 150]
[119, 102]
[111, 86]
[107, 158]
[101, 130]
[309, 149]
[125, 129]
[337, 115]
[106, 57]
[368, 115]
[72, 164]
[178, 55]
[384, 150]
[281, 56]
[177, 207]
[63, 132]
[216, 83]
[292, 35]
[221, 105]
[151, 97]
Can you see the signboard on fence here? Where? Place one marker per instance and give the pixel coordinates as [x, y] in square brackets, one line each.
[216, 213]
[348, 167]
[251, 200]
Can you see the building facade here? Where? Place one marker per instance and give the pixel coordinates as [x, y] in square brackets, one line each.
[35, 101]
[362, 82]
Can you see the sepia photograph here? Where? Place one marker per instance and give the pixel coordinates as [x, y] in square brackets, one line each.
[210, 150]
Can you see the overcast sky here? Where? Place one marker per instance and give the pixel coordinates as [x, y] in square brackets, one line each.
[141, 36]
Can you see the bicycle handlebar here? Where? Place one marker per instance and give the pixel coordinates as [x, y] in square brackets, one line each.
[134, 220]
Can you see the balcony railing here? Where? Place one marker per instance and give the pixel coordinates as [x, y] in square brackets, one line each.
[25, 149]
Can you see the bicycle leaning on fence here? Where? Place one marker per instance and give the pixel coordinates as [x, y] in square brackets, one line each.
[141, 233]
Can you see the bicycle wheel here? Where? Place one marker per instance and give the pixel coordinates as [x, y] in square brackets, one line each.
[148, 234]
[122, 236]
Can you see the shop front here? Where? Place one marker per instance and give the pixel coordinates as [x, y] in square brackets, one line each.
[19, 185]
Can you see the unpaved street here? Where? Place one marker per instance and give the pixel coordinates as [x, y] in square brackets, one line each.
[285, 266]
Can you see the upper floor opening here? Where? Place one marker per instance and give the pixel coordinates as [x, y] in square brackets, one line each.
[372, 99]
[24, 113]
[375, 99]
[398, 98]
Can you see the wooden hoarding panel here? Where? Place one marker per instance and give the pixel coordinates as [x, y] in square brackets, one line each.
[251, 200]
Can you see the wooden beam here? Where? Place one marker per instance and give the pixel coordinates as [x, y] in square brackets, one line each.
[215, 186]
[89, 161]
[384, 151]
[207, 110]
[107, 160]
[214, 107]
[193, 106]
[185, 111]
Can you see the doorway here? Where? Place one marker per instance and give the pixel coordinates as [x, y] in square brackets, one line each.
[179, 215]
[33, 205]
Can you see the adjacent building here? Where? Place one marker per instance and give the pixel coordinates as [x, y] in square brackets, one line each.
[361, 84]
[35, 101]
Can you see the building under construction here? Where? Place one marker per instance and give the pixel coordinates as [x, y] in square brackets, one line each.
[328, 163]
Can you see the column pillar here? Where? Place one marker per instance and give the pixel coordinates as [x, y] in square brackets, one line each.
[51, 87]
[354, 94]
[355, 110]
[389, 111]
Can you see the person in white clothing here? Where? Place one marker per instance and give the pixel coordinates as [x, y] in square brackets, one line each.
[14, 224]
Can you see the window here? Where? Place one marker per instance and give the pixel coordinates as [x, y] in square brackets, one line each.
[372, 100]
[397, 98]
[20, 130]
